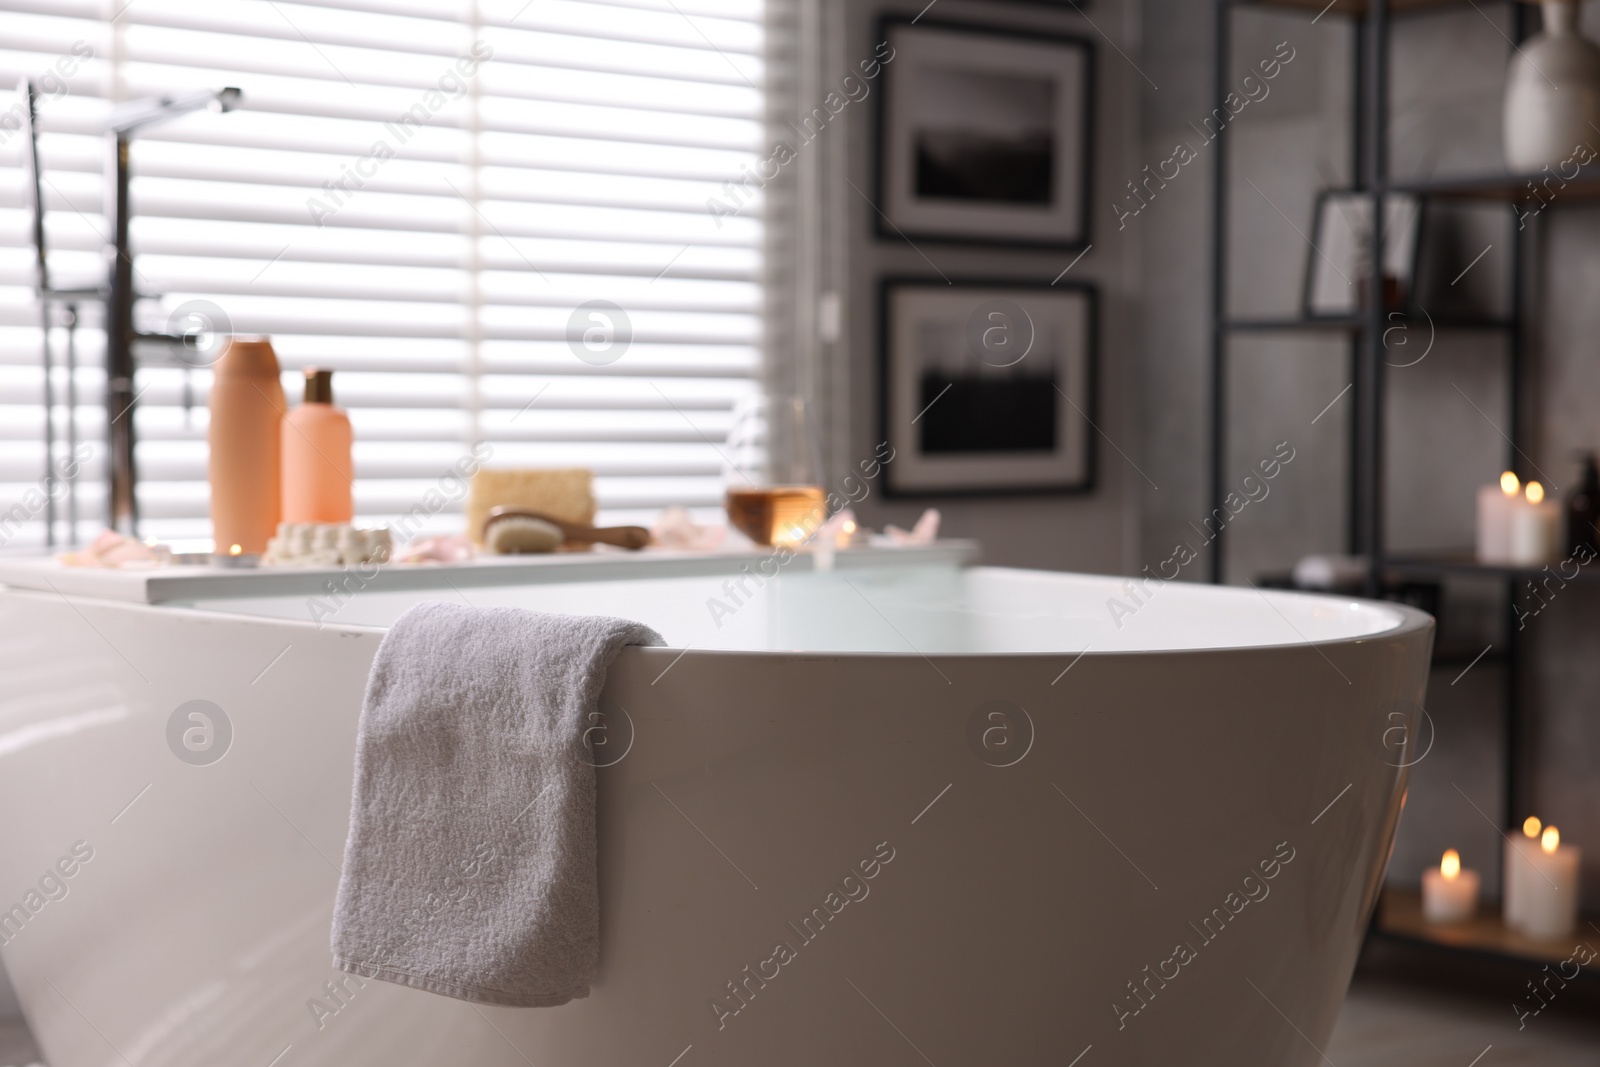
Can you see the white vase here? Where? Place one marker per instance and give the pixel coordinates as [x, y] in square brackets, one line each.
[1552, 93]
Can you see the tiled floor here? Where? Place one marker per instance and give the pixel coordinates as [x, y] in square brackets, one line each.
[1382, 1025]
[1390, 1025]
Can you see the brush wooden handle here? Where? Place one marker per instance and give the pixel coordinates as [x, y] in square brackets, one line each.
[632, 538]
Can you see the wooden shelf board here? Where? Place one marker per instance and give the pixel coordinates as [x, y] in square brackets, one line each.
[1400, 915]
[1463, 563]
[1354, 7]
[1527, 191]
[1340, 325]
[1507, 187]
[1352, 324]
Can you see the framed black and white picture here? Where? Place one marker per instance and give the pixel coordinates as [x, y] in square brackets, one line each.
[1339, 268]
[984, 135]
[987, 387]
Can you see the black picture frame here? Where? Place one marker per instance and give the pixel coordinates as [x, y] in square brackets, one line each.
[1327, 250]
[911, 476]
[902, 216]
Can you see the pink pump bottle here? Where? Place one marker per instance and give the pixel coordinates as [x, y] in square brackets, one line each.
[317, 471]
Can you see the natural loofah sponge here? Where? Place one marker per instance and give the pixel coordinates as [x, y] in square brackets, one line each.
[566, 494]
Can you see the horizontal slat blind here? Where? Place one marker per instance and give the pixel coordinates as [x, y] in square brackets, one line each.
[418, 194]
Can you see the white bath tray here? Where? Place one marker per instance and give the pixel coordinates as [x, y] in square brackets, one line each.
[189, 583]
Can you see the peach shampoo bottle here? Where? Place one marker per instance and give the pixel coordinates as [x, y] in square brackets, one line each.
[317, 472]
[246, 419]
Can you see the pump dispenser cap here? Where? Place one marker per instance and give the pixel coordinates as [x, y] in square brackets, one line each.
[319, 386]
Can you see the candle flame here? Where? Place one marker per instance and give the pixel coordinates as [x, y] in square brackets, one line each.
[1450, 866]
[1551, 839]
[235, 550]
[1530, 826]
[849, 526]
[1535, 492]
[1509, 484]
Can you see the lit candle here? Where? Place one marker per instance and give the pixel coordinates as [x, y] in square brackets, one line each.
[1518, 867]
[1495, 505]
[1449, 893]
[1535, 529]
[1550, 890]
[236, 557]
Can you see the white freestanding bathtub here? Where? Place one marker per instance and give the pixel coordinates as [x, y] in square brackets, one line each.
[1105, 823]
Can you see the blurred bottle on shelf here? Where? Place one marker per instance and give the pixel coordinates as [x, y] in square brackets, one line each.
[244, 465]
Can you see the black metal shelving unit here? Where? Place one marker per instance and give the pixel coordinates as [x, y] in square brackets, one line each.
[1370, 108]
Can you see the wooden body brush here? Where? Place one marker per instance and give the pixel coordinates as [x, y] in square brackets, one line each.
[509, 531]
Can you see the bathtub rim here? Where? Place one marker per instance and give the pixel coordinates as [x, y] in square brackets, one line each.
[1412, 622]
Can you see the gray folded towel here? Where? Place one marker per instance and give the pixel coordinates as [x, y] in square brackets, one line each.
[470, 866]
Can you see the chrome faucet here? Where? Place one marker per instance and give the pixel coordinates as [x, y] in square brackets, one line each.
[126, 121]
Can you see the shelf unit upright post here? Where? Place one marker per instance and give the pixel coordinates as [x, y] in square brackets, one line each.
[1515, 801]
[1368, 152]
[1222, 40]
[1367, 155]
[1369, 148]
[1372, 139]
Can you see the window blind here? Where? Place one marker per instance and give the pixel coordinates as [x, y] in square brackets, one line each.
[424, 196]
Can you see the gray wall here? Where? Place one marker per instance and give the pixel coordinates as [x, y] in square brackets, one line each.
[1447, 81]
[1093, 532]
